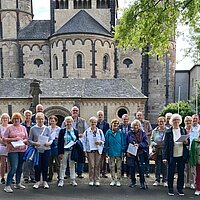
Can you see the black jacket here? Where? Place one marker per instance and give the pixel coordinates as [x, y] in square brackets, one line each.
[168, 150]
[105, 126]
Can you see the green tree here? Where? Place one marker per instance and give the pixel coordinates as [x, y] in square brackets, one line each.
[153, 22]
[185, 109]
[194, 99]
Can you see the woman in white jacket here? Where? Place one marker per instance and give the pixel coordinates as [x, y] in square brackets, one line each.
[93, 142]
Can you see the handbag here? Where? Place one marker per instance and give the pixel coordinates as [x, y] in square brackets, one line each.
[153, 155]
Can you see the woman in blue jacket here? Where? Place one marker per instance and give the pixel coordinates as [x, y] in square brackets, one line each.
[115, 142]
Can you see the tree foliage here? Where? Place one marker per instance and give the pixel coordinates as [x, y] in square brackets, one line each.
[194, 99]
[185, 109]
[153, 22]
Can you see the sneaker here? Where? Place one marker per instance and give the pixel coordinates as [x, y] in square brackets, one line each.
[45, 185]
[112, 183]
[197, 193]
[192, 186]
[36, 185]
[156, 183]
[74, 183]
[118, 184]
[19, 186]
[184, 186]
[3, 181]
[60, 183]
[171, 193]
[132, 185]
[165, 184]
[91, 183]
[8, 189]
[97, 183]
[180, 193]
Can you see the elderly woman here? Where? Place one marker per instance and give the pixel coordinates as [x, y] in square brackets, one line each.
[40, 137]
[157, 142]
[66, 140]
[93, 143]
[54, 161]
[175, 153]
[115, 142]
[4, 119]
[189, 175]
[137, 137]
[195, 160]
[16, 139]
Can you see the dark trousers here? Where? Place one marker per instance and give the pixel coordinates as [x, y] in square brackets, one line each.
[103, 164]
[180, 163]
[79, 168]
[139, 161]
[52, 160]
[42, 166]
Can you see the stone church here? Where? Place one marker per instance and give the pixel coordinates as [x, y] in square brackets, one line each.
[77, 61]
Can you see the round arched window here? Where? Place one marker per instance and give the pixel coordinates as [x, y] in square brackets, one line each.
[121, 112]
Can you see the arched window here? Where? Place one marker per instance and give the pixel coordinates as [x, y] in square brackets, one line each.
[127, 62]
[79, 61]
[38, 62]
[105, 62]
[55, 62]
[121, 112]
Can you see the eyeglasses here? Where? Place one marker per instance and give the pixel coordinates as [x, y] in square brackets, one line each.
[75, 110]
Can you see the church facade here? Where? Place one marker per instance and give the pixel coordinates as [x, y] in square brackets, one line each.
[77, 43]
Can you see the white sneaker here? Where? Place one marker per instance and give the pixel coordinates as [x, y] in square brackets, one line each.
[192, 186]
[91, 183]
[112, 183]
[74, 183]
[118, 184]
[61, 183]
[184, 186]
[36, 185]
[97, 183]
[156, 183]
[197, 193]
[8, 189]
[19, 186]
[165, 184]
[45, 185]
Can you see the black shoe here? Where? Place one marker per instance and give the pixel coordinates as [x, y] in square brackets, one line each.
[33, 181]
[104, 176]
[13, 181]
[3, 181]
[142, 186]
[132, 185]
[26, 180]
[180, 193]
[171, 193]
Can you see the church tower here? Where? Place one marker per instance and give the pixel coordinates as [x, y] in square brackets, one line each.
[14, 15]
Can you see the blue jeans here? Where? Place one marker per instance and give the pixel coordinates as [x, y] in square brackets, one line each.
[79, 168]
[42, 166]
[16, 161]
[180, 170]
[139, 160]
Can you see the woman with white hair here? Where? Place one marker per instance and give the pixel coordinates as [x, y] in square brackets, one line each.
[40, 137]
[66, 140]
[4, 119]
[137, 137]
[175, 153]
[93, 143]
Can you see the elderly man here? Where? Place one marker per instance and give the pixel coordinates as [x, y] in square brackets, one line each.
[104, 126]
[168, 117]
[146, 126]
[80, 125]
[39, 108]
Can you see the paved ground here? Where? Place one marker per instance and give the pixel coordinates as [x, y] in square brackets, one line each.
[83, 192]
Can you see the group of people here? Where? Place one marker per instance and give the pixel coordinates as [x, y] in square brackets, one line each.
[37, 147]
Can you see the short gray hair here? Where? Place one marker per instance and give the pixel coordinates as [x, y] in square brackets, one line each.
[28, 111]
[136, 121]
[69, 118]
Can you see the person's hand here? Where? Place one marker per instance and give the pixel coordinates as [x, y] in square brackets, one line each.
[47, 144]
[17, 138]
[60, 156]
[98, 143]
[165, 162]
[25, 142]
[186, 141]
[37, 144]
[136, 145]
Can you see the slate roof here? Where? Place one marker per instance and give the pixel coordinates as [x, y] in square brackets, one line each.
[82, 22]
[71, 88]
[37, 29]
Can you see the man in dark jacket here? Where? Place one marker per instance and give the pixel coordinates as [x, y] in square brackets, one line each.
[104, 126]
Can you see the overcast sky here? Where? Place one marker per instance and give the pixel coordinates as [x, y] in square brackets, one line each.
[41, 10]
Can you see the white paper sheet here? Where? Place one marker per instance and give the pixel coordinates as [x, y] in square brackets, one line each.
[18, 143]
[132, 149]
[43, 139]
[70, 144]
[92, 144]
[182, 138]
